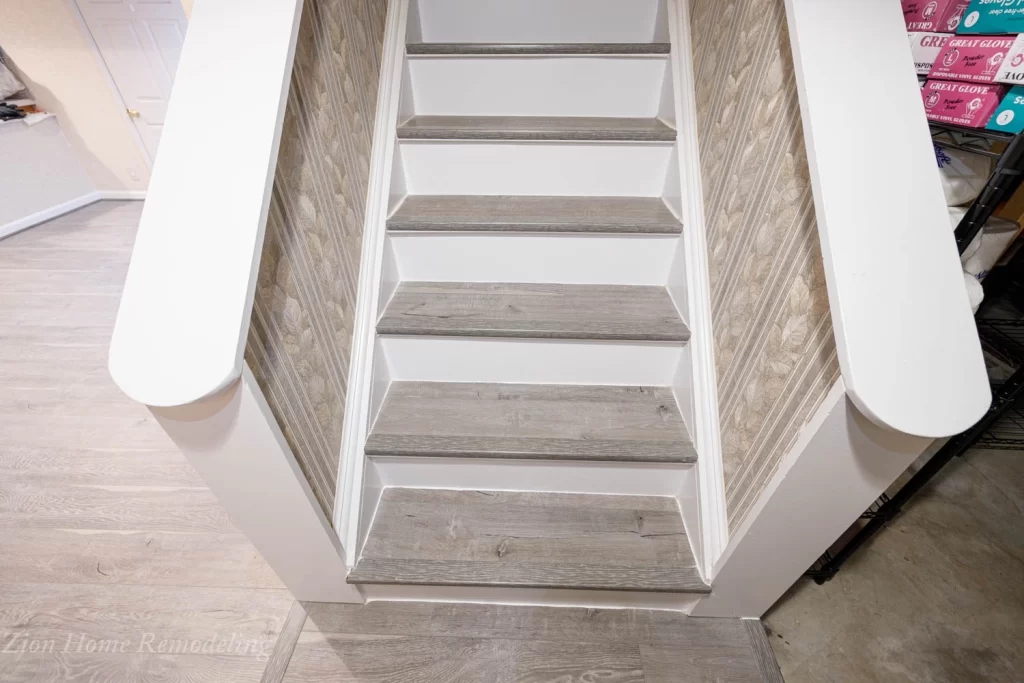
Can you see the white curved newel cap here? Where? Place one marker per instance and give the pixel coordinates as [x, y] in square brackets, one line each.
[184, 315]
[907, 343]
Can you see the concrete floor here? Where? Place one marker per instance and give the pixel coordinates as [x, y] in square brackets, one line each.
[937, 596]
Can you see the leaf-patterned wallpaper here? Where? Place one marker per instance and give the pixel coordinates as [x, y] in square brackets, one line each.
[774, 348]
[301, 328]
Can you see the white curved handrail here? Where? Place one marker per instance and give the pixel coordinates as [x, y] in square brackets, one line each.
[908, 347]
[184, 315]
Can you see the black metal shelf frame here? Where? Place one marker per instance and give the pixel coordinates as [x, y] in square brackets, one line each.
[1001, 184]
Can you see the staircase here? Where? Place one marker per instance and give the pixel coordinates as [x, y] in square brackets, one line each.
[529, 434]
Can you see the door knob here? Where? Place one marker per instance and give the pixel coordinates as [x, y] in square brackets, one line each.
[134, 113]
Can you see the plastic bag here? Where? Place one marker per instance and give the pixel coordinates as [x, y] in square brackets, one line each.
[963, 174]
[9, 85]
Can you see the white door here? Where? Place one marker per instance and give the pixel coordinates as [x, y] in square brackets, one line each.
[140, 41]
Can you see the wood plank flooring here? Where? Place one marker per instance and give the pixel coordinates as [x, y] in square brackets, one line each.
[115, 560]
[458, 213]
[538, 48]
[536, 540]
[537, 128]
[395, 642]
[533, 421]
[533, 311]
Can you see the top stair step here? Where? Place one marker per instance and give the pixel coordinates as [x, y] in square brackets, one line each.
[535, 128]
[538, 48]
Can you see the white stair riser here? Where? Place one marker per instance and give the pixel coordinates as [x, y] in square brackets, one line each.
[510, 257]
[541, 476]
[535, 168]
[538, 86]
[517, 361]
[553, 597]
[540, 21]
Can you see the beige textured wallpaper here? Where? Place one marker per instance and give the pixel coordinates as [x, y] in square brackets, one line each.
[774, 348]
[301, 328]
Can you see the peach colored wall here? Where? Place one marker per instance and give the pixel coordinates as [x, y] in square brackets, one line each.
[52, 53]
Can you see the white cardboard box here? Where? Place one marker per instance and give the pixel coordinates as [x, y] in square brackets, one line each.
[1012, 68]
[925, 48]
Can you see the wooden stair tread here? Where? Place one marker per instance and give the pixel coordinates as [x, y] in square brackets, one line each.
[538, 48]
[528, 540]
[534, 214]
[535, 128]
[531, 421]
[533, 311]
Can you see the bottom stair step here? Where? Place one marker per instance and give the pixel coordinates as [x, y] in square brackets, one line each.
[528, 540]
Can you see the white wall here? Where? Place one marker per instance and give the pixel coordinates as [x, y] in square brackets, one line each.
[187, 4]
[52, 54]
[46, 178]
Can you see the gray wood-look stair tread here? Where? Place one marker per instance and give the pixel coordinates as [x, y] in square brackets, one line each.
[533, 311]
[538, 48]
[531, 421]
[477, 213]
[528, 540]
[535, 128]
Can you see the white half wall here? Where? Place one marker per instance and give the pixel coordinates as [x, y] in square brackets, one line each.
[44, 179]
[840, 464]
[235, 444]
[905, 335]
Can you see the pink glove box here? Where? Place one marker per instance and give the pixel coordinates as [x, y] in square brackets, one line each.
[971, 58]
[965, 104]
[938, 16]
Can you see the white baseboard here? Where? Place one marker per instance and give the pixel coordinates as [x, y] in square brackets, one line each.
[130, 195]
[49, 213]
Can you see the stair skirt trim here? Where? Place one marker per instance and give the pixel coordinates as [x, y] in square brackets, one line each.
[361, 373]
[694, 300]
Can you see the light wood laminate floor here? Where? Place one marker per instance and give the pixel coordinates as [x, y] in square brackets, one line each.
[116, 562]
[118, 565]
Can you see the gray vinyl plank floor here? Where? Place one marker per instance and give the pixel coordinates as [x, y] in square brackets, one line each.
[537, 128]
[434, 642]
[624, 215]
[110, 544]
[537, 540]
[534, 421]
[538, 48]
[533, 311]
